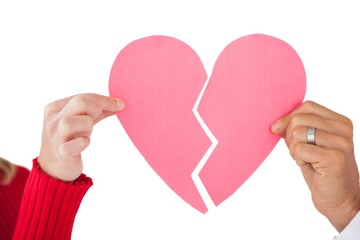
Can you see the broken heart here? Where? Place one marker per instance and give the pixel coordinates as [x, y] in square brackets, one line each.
[255, 80]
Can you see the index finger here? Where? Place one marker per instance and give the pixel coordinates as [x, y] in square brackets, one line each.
[311, 108]
[109, 104]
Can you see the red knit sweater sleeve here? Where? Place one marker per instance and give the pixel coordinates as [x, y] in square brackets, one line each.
[49, 206]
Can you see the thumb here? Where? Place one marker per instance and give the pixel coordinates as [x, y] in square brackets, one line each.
[280, 125]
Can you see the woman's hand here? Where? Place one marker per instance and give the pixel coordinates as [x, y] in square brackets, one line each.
[68, 124]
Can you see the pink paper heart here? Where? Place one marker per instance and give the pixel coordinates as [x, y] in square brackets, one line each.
[256, 80]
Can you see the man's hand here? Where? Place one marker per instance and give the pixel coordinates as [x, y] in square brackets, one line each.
[329, 167]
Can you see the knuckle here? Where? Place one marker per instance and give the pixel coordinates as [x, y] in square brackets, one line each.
[65, 125]
[87, 105]
[349, 128]
[294, 150]
[292, 153]
[50, 109]
[297, 133]
[296, 119]
[348, 122]
[308, 104]
[346, 127]
[84, 142]
[80, 100]
[345, 145]
[64, 153]
[300, 162]
[288, 141]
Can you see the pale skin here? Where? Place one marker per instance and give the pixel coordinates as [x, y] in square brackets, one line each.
[7, 171]
[329, 167]
[68, 124]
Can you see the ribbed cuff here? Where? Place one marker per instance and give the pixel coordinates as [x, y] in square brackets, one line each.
[49, 206]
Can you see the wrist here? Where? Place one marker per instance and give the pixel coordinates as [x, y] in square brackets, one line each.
[342, 216]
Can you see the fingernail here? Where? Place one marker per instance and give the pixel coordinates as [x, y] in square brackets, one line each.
[275, 128]
[120, 104]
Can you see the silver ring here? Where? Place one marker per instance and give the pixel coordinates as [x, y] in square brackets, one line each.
[311, 135]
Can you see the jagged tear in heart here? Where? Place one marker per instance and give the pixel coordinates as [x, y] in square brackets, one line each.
[256, 79]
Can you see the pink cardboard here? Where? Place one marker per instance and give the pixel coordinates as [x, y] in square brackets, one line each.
[256, 80]
[160, 79]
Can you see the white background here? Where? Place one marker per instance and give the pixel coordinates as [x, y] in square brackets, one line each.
[52, 50]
